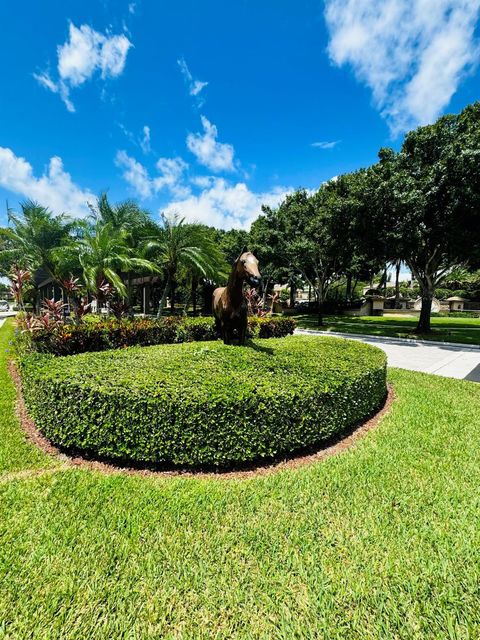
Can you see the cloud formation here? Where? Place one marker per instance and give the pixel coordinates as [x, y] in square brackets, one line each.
[225, 205]
[145, 140]
[194, 86]
[84, 53]
[216, 156]
[412, 54]
[326, 145]
[170, 176]
[54, 189]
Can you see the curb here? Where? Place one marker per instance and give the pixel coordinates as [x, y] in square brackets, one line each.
[363, 336]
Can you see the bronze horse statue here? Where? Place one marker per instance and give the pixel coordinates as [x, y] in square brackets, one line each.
[229, 304]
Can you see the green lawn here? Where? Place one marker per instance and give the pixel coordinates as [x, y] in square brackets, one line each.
[462, 330]
[379, 542]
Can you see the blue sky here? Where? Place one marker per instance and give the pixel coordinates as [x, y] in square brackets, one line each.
[211, 108]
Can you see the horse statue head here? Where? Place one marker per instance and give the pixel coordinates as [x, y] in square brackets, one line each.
[246, 267]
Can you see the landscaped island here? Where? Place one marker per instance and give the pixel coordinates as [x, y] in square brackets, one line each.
[204, 404]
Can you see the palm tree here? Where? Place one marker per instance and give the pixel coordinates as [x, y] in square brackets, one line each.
[35, 241]
[35, 236]
[126, 215]
[128, 219]
[104, 254]
[182, 245]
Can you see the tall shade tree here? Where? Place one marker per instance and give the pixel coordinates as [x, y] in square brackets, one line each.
[308, 235]
[426, 207]
[179, 244]
[263, 241]
[345, 203]
[104, 255]
[231, 242]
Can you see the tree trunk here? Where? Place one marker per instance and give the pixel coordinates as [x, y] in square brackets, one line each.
[99, 300]
[291, 302]
[348, 290]
[163, 299]
[265, 292]
[319, 293]
[194, 296]
[397, 284]
[423, 325]
[320, 315]
[172, 296]
[129, 294]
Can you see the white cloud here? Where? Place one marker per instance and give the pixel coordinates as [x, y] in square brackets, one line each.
[85, 52]
[170, 176]
[56, 87]
[132, 7]
[194, 86]
[326, 145]
[217, 156]
[145, 141]
[171, 173]
[412, 54]
[225, 205]
[55, 189]
[135, 174]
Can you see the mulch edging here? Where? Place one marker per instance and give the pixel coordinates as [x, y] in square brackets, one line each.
[340, 444]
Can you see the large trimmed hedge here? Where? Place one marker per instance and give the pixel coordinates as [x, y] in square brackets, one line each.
[69, 339]
[206, 404]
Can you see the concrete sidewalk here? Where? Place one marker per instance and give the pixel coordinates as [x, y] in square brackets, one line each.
[449, 360]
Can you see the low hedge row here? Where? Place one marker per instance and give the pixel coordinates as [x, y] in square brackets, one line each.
[204, 404]
[69, 339]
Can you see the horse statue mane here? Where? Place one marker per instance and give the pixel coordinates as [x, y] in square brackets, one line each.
[229, 304]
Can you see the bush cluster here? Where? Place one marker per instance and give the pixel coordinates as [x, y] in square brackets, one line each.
[69, 339]
[204, 404]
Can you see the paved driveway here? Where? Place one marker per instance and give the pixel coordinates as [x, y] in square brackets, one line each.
[451, 361]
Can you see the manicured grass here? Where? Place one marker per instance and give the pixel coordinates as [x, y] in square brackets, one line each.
[15, 451]
[379, 542]
[461, 330]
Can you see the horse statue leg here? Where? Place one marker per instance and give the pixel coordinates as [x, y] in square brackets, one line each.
[227, 334]
[218, 327]
[242, 333]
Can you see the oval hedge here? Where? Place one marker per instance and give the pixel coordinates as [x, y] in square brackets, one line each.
[204, 404]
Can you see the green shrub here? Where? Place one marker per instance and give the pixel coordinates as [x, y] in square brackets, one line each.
[71, 339]
[274, 327]
[204, 404]
[458, 314]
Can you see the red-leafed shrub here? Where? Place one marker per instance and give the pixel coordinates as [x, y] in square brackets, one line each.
[69, 339]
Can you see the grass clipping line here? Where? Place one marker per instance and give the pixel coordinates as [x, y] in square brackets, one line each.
[340, 443]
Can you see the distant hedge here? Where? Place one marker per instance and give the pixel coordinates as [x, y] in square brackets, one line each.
[204, 404]
[69, 339]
